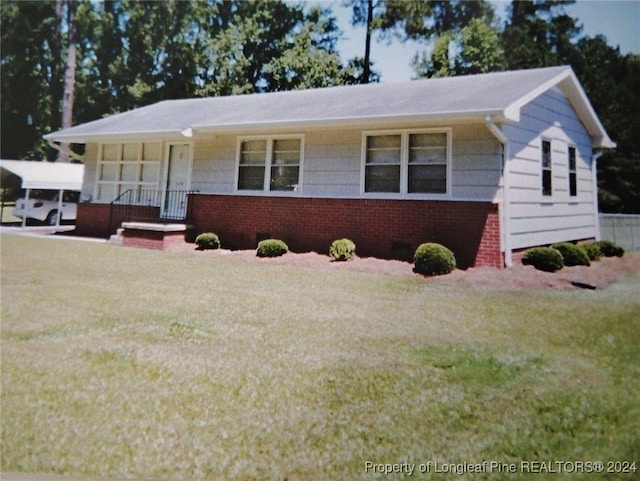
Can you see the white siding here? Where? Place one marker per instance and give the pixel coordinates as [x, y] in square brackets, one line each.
[477, 163]
[214, 164]
[90, 171]
[332, 163]
[536, 219]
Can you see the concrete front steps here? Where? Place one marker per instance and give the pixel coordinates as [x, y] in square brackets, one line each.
[150, 235]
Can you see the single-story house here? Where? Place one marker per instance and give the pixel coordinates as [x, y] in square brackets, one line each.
[487, 165]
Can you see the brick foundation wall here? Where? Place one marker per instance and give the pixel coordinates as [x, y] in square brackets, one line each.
[92, 220]
[381, 228]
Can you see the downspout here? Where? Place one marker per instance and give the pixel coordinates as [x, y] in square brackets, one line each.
[594, 182]
[66, 151]
[506, 228]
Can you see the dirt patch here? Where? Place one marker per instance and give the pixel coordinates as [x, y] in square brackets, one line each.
[599, 275]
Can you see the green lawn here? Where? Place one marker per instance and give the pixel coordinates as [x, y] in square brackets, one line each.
[7, 217]
[133, 363]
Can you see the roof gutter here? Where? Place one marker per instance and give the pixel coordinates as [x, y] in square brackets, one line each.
[504, 218]
[342, 121]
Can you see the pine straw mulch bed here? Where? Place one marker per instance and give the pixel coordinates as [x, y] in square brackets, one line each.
[599, 275]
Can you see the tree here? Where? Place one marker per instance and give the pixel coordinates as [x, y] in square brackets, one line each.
[27, 85]
[35, 42]
[612, 83]
[475, 49]
[458, 32]
[419, 20]
[310, 61]
[129, 53]
[480, 49]
[69, 74]
[363, 14]
[270, 46]
[438, 62]
[539, 34]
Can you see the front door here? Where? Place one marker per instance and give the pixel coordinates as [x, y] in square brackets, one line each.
[175, 194]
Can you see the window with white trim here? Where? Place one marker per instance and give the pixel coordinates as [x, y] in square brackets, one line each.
[573, 173]
[410, 162]
[384, 160]
[270, 164]
[547, 188]
[428, 163]
[124, 166]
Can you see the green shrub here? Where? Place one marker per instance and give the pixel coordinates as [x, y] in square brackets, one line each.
[610, 249]
[572, 255]
[593, 250]
[342, 250]
[271, 248]
[543, 258]
[433, 259]
[208, 240]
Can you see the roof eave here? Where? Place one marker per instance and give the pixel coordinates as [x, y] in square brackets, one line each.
[187, 133]
[603, 143]
[114, 136]
[570, 85]
[348, 121]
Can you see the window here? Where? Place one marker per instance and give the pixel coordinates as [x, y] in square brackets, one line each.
[279, 157]
[573, 173]
[253, 155]
[414, 162]
[546, 168]
[125, 166]
[382, 170]
[428, 163]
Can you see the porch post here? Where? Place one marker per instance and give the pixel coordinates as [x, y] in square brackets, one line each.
[26, 208]
[60, 192]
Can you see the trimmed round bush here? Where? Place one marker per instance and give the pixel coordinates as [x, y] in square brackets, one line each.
[543, 258]
[572, 255]
[593, 251]
[271, 248]
[342, 250]
[610, 249]
[208, 240]
[433, 259]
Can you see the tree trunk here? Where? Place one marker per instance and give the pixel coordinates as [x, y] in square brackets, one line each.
[367, 48]
[69, 76]
[55, 83]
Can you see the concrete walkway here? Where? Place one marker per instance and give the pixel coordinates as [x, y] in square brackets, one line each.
[44, 231]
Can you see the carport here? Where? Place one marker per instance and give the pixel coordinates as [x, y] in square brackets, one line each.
[44, 175]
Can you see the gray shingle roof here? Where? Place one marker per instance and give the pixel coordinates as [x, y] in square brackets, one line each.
[465, 96]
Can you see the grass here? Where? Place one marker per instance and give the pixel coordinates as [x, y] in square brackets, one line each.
[133, 363]
[7, 217]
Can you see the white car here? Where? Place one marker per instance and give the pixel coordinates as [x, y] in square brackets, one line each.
[43, 206]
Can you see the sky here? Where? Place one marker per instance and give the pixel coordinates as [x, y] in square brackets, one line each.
[617, 20]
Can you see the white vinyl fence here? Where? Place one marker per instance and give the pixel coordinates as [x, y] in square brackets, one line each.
[622, 229]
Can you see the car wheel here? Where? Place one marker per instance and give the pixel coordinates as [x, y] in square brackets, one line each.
[52, 217]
